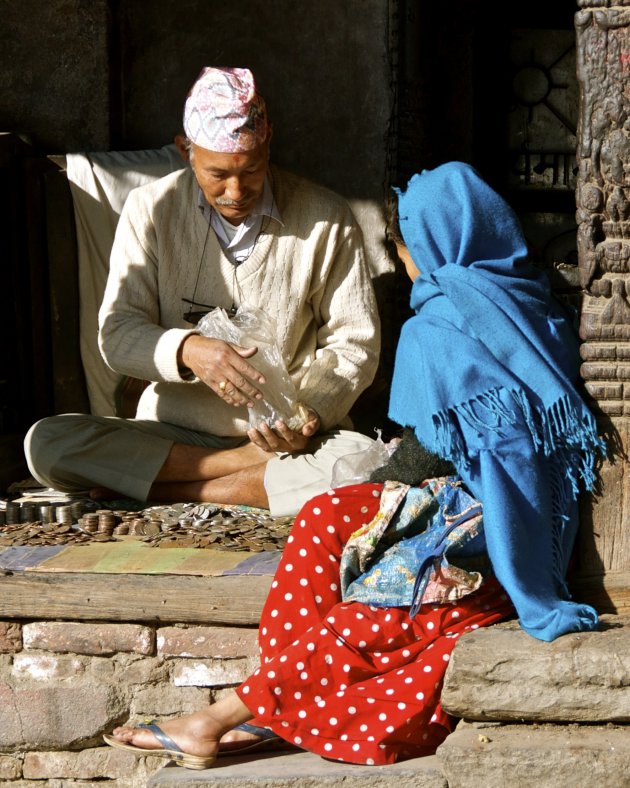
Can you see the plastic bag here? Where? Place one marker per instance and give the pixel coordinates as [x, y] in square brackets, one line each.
[249, 327]
[356, 468]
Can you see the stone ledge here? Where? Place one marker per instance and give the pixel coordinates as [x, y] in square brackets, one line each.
[536, 756]
[301, 770]
[501, 673]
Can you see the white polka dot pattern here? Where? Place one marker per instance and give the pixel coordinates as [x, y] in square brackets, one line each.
[371, 693]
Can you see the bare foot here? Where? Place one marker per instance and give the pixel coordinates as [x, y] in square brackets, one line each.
[196, 734]
[236, 739]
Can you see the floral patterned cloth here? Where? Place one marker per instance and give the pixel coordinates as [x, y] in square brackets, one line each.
[402, 557]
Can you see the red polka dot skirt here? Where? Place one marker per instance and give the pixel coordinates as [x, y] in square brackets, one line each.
[349, 681]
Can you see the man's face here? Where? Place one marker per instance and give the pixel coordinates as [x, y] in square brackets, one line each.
[231, 182]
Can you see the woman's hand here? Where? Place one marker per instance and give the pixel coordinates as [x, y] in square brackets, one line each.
[283, 439]
[222, 367]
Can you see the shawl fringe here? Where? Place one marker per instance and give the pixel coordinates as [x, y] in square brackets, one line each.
[563, 430]
[566, 434]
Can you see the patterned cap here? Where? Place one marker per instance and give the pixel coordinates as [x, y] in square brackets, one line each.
[223, 111]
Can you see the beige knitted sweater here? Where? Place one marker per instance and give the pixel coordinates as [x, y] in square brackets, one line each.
[308, 273]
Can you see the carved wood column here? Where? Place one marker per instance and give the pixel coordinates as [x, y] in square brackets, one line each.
[603, 216]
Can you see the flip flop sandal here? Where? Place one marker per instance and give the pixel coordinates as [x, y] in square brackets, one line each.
[171, 751]
[268, 741]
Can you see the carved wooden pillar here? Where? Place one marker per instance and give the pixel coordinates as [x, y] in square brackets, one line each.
[603, 215]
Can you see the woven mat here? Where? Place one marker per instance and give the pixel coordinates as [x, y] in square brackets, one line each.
[129, 556]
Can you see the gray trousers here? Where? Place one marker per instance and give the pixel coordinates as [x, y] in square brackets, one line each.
[74, 452]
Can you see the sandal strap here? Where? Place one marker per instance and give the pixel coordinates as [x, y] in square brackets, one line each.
[159, 734]
[263, 733]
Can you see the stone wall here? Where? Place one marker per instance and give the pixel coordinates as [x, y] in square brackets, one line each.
[111, 74]
[63, 684]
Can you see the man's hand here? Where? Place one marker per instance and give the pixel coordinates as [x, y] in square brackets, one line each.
[223, 368]
[283, 439]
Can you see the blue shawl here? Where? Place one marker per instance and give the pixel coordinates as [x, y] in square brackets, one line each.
[485, 374]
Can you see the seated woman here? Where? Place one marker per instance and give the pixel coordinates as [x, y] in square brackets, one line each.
[484, 377]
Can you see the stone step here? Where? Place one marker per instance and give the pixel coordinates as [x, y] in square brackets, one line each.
[477, 754]
[536, 756]
[501, 673]
[301, 770]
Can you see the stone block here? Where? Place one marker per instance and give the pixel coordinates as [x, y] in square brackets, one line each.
[53, 717]
[167, 701]
[93, 763]
[95, 639]
[212, 673]
[46, 667]
[10, 637]
[501, 673]
[10, 768]
[210, 642]
[103, 669]
[142, 671]
[536, 756]
[63, 783]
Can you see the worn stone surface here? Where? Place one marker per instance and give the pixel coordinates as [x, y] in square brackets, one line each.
[142, 671]
[45, 667]
[212, 673]
[96, 762]
[41, 716]
[501, 673]
[537, 756]
[165, 701]
[103, 669]
[131, 782]
[10, 637]
[207, 642]
[10, 767]
[302, 770]
[94, 639]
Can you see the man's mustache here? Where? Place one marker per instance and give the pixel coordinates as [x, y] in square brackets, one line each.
[223, 201]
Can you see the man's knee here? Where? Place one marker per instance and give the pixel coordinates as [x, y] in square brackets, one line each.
[45, 444]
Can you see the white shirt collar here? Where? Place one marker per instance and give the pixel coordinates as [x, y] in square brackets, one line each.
[239, 244]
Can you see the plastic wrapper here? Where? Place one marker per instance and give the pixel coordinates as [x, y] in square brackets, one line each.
[249, 327]
[356, 468]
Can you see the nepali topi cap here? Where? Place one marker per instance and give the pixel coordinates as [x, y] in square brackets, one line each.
[224, 112]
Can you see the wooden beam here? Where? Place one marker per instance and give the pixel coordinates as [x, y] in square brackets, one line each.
[235, 600]
[608, 593]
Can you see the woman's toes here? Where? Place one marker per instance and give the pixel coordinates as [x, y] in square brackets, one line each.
[122, 733]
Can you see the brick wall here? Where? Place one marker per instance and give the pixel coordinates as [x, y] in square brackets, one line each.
[63, 684]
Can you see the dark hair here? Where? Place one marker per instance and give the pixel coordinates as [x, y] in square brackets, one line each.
[392, 224]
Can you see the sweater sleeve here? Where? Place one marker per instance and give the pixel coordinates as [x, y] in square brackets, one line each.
[348, 337]
[131, 339]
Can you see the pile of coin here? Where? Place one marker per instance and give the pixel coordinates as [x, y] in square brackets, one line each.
[222, 528]
[35, 534]
[178, 525]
